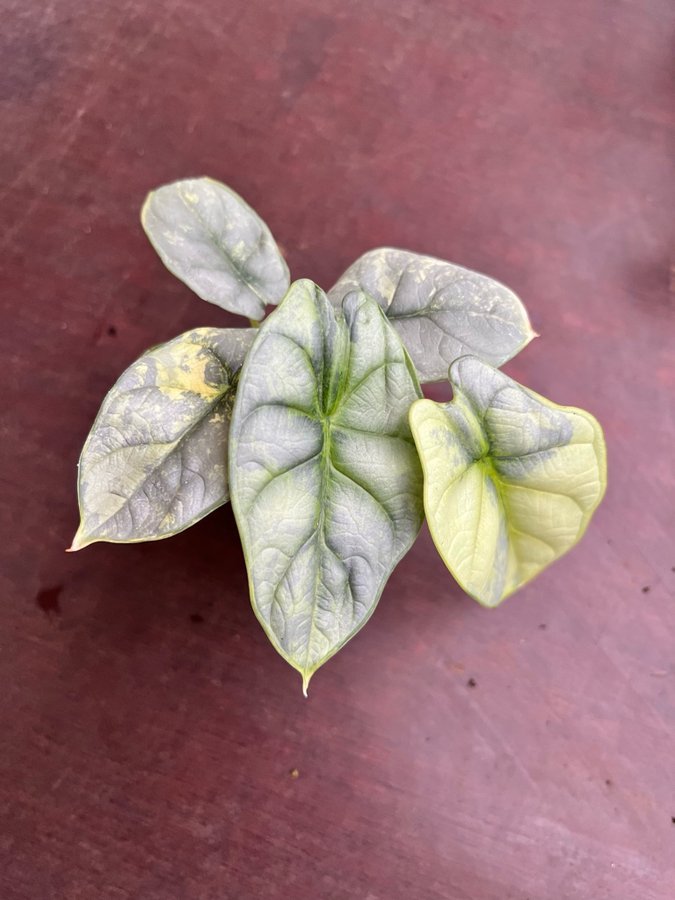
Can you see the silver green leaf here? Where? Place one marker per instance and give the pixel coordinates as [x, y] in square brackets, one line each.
[155, 460]
[325, 480]
[213, 241]
[441, 311]
[510, 479]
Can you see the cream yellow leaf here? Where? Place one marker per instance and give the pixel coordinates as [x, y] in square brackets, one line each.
[511, 479]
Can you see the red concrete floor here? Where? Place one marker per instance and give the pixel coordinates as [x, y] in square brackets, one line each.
[147, 729]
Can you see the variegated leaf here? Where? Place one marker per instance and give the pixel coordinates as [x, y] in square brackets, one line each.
[510, 479]
[155, 460]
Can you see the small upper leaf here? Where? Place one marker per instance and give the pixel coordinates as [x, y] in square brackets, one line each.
[213, 241]
[325, 481]
[441, 311]
[155, 460]
[510, 479]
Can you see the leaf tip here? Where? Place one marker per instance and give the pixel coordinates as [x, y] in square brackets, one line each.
[80, 541]
[305, 682]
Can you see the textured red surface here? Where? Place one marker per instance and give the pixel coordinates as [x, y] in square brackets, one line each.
[147, 730]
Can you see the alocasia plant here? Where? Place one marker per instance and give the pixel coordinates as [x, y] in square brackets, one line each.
[313, 424]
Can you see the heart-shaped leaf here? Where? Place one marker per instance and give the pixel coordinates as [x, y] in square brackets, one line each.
[510, 479]
[213, 241]
[441, 311]
[325, 481]
[155, 460]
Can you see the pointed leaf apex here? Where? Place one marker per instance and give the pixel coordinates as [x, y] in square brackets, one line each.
[80, 541]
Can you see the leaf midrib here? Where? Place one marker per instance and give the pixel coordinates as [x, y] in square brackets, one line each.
[217, 240]
[341, 364]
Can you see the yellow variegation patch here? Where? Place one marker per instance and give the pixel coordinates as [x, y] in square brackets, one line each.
[510, 479]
